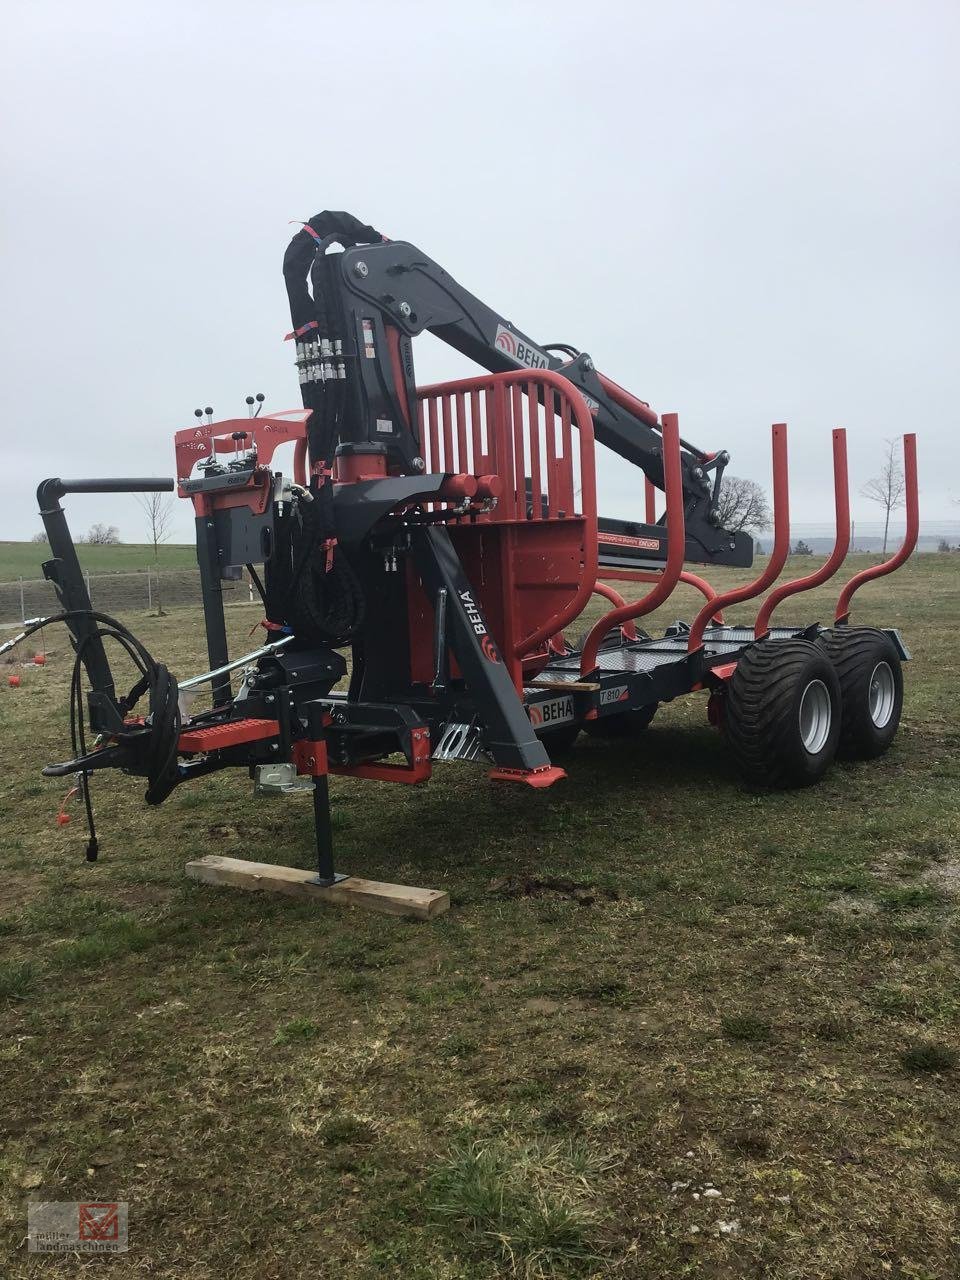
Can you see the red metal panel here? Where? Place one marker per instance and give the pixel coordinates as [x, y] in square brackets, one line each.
[519, 463]
[567, 559]
[446, 410]
[500, 440]
[553, 469]
[841, 498]
[909, 542]
[544, 777]
[310, 757]
[418, 770]
[479, 460]
[533, 435]
[265, 434]
[463, 458]
[566, 496]
[433, 457]
[216, 737]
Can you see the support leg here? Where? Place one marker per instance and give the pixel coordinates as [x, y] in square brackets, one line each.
[324, 833]
[314, 757]
[211, 593]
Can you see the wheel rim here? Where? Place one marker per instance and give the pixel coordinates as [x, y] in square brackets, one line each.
[816, 716]
[883, 694]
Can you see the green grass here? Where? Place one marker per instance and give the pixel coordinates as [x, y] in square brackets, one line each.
[23, 559]
[652, 984]
[928, 1056]
[531, 1203]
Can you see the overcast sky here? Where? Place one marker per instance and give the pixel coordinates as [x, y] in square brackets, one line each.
[746, 212]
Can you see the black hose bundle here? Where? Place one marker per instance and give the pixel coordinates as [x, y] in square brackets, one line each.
[152, 746]
[311, 585]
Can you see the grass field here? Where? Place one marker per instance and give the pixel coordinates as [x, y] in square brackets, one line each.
[669, 1028]
[23, 559]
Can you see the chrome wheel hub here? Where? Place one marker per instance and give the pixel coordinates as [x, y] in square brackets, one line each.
[883, 693]
[816, 716]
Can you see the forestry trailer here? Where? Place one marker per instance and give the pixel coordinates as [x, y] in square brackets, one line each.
[427, 550]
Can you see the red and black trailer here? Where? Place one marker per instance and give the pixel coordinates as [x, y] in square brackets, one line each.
[447, 539]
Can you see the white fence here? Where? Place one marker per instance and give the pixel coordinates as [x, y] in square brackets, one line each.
[115, 593]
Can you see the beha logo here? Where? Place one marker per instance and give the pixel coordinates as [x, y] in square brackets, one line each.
[489, 649]
[506, 341]
[475, 619]
[519, 351]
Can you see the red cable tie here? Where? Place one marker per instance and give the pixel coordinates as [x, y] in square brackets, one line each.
[62, 816]
[304, 328]
[328, 546]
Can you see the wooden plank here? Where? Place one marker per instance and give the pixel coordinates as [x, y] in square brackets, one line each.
[589, 686]
[373, 895]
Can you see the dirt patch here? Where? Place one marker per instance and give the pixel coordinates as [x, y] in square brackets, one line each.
[849, 905]
[945, 876]
[541, 1004]
[143, 895]
[523, 886]
[17, 888]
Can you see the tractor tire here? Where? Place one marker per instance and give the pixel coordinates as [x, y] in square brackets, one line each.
[622, 724]
[871, 689]
[782, 713]
[560, 740]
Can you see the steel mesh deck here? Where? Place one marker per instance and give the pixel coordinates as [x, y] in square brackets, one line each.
[637, 657]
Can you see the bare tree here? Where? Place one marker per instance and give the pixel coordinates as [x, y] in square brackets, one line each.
[888, 487]
[103, 535]
[159, 511]
[742, 506]
[39, 536]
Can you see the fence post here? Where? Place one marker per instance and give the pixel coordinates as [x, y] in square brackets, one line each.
[149, 590]
[23, 612]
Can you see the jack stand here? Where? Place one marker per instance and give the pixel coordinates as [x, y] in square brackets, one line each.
[317, 761]
[326, 875]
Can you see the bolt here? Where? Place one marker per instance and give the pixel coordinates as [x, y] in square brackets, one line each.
[698, 472]
[274, 746]
[588, 364]
[404, 308]
[419, 464]
[361, 269]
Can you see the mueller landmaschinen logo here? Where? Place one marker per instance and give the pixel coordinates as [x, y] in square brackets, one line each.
[71, 1226]
[98, 1221]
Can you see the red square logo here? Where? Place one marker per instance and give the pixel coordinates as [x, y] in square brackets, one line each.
[99, 1222]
